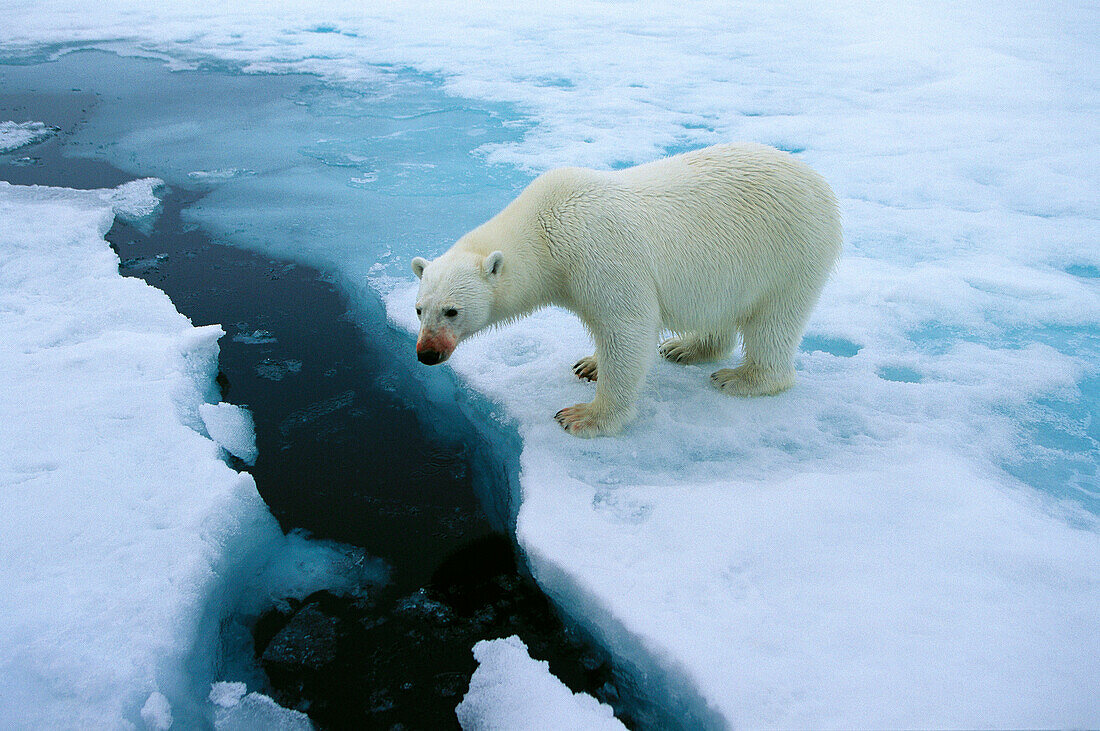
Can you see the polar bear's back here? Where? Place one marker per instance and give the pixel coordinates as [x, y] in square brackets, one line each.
[723, 227]
[740, 193]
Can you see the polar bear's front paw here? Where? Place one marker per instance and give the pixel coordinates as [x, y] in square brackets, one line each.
[585, 368]
[747, 381]
[580, 420]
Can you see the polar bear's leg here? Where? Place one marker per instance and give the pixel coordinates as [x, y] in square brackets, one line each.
[624, 352]
[770, 338]
[586, 368]
[696, 348]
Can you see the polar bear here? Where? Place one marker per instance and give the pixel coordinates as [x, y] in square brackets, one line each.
[734, 239]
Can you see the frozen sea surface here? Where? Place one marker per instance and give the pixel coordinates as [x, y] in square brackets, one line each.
[919, 514]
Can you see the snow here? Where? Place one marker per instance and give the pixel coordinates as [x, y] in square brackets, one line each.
[510, 690]
[231, 427]
[14, 135]
[125, 540]
[918, 515]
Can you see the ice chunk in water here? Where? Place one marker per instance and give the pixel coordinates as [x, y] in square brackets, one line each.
[256, 337]
[227, 695]
[510, 690]
[231, 427]
[136, 199]
[254, 712]
[14, 135]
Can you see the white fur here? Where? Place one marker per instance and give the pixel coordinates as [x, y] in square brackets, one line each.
[727, 240]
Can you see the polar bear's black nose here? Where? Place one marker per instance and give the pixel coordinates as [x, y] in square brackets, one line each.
[429, 357]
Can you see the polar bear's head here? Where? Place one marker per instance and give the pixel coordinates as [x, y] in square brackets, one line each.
[455, 300]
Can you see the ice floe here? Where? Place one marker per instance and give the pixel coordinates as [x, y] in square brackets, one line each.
[125, 539]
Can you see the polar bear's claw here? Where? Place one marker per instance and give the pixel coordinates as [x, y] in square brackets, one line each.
[675, 350]
[691, 349]
[748, 381]
[586, 369]
[578, 420]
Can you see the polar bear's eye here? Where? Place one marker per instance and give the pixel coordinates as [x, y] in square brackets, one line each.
[418, 312]
[452, 312]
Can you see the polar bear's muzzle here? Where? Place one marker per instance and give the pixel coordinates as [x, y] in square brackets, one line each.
[434, 348]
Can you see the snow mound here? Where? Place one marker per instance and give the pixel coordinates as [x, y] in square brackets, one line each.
[510, 690]
[232, 427]
[14, 135]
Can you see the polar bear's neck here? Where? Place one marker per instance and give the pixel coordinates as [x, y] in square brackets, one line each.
[525, 282]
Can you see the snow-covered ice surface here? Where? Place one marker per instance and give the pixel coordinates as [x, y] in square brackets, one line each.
[509, 690]
[909, 537]
[125, 540]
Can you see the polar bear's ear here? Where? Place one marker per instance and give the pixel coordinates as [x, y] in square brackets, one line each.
[492, 264]
[418, 265]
